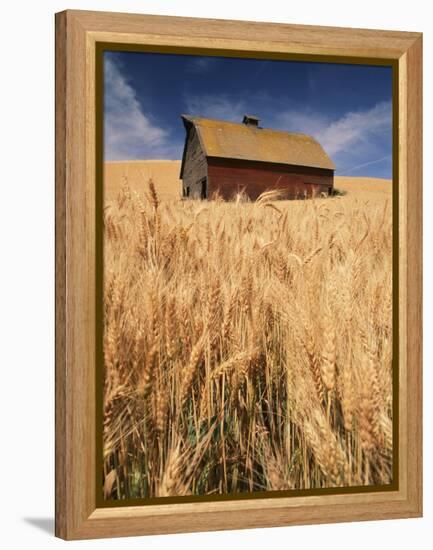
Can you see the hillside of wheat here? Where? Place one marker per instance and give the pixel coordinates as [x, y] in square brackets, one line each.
[247, 346]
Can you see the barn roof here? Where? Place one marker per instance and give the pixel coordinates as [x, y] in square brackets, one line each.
[223, 139]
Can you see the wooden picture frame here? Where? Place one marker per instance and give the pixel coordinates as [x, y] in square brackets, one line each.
[78, 36]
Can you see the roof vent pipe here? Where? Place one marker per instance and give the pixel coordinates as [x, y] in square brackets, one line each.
[251, 120]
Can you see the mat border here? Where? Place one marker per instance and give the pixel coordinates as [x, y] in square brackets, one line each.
[80, 38]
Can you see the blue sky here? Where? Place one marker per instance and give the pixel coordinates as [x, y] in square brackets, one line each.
[347, 108]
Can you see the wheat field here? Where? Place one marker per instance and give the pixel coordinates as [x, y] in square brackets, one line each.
[247, 346]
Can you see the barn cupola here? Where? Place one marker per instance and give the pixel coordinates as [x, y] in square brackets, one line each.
[250, 120]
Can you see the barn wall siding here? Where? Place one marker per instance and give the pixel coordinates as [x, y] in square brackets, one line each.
[195, 165]
[228, 177]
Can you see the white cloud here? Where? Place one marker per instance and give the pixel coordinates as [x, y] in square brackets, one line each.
[306, 122]
[380, 160]
[128, 131]
[355, 140]
[200, 65]
[357, 128]
[220, 106]
[352, 129]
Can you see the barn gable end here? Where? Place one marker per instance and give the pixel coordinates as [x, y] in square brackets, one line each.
[194, 165]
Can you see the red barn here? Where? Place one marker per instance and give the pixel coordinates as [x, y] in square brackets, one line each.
[228, 158]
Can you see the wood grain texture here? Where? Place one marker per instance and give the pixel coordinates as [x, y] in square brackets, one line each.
[249, 35]
[413, 292]
[76, 35]
[60, 216]
[75, 424]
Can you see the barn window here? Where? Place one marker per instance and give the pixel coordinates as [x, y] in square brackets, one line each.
[203, 190]
[187, 191]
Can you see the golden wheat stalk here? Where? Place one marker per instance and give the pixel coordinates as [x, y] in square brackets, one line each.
[247, 346]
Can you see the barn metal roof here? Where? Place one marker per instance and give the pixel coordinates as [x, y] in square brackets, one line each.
[223, 139]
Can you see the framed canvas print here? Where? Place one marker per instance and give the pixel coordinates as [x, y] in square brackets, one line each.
[238, 274]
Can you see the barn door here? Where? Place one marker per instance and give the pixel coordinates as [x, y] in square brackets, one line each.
[203, 192]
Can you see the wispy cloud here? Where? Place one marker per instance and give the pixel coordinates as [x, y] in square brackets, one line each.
[351, 139]
[349, 171]
[200, 65]
[357, 128]
[129, 132]
[342, 134]
[222, 106]
[304, 121]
